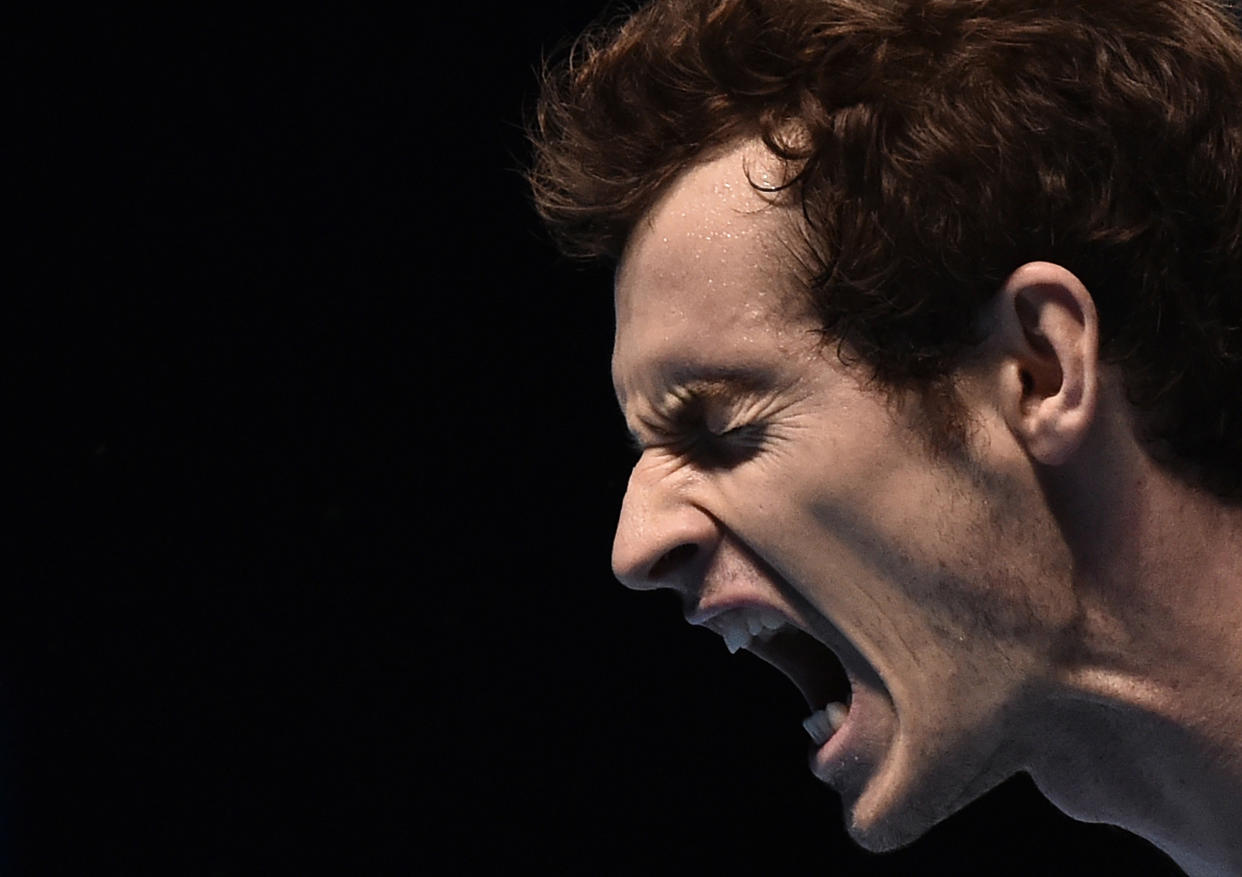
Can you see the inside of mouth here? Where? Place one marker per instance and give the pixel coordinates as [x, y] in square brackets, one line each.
[811, 665]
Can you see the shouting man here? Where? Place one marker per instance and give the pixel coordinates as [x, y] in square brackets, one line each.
[929, 329]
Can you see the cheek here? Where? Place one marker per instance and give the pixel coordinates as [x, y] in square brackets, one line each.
[971, 575]
[923, 547]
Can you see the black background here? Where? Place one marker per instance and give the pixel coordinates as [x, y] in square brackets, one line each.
[316, 469]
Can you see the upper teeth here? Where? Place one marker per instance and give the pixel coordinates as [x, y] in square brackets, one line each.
[741, 626]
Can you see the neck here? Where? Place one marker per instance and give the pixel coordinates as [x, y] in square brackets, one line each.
[1159, 766]
[1151, 692]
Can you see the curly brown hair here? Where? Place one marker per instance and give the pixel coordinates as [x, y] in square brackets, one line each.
[942, 144]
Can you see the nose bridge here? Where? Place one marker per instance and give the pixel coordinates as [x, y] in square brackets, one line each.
[662, 535]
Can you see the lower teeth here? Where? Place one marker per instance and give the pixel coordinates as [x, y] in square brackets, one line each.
[823, 724]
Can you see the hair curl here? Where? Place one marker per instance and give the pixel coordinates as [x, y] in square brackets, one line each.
[942, 144]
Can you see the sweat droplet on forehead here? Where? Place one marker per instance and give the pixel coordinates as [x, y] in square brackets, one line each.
[693, 283]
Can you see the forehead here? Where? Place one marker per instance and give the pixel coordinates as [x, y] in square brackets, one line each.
[707, 278]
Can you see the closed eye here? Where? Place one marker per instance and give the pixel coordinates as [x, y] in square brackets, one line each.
[708, 449]
[727, 449]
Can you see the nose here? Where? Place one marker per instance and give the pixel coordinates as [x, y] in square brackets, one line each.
[663, 540]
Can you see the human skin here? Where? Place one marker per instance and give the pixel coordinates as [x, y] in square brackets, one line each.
[958, 587]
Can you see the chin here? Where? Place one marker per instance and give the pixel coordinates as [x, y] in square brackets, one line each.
[916, 786]
[887, 834]
[890, 814]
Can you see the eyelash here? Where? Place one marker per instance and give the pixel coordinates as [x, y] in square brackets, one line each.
[706, 445]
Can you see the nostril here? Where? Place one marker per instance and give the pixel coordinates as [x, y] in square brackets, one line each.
[671, 561]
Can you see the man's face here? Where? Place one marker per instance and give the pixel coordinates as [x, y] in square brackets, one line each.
[795, 508]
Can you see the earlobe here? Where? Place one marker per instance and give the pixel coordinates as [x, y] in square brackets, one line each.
[1046, 324]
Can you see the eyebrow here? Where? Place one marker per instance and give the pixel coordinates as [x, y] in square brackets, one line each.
[688, 393]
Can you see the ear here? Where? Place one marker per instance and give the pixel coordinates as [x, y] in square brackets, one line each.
[1045, 324]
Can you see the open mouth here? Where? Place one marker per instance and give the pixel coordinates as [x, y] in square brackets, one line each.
[812, 666]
